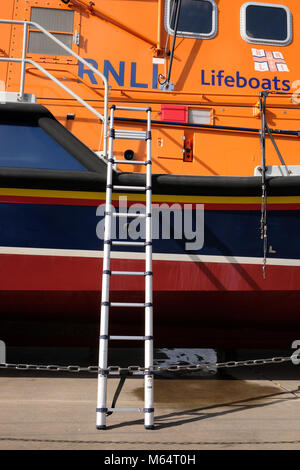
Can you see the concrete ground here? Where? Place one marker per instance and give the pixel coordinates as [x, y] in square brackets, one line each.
[253, 408]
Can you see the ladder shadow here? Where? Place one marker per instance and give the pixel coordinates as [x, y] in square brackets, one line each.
[199, 414]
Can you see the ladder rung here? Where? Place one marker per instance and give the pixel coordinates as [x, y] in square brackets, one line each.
[128, 273]
[127, 304]
[129, 162]
[127, 134]
[120, 243]
[134, 338]
[125, 108]
[139, 410]
[130, 188]
[127, 214]
[136, 373]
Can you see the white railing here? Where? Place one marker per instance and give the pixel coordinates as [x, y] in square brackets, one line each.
[24, 60]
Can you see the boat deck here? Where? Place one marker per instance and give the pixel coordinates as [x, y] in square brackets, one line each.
[249, 408]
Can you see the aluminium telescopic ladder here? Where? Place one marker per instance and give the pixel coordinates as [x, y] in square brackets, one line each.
[103, 372]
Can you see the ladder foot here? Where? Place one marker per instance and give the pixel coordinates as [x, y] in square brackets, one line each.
[101, 427]
[150, 427]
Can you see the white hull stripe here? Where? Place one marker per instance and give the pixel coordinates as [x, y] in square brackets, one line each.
[4, 250]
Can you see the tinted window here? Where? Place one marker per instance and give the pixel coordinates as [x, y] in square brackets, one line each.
[30, 147]
[264, 22]
[195, 16]
[198, 18]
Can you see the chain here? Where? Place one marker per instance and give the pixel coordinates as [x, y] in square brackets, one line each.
[116, 370]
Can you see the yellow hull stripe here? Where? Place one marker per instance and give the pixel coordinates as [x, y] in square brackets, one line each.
[140, 197]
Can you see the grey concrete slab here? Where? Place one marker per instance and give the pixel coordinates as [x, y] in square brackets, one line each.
[58, 412]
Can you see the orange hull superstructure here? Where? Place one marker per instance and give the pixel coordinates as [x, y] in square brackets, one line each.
[127, 40]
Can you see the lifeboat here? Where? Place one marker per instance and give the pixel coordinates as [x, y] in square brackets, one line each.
[222, 84]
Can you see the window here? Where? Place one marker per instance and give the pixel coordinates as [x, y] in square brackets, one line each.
[266, 23]
[197, 18]
[33, 149]
[59, 23]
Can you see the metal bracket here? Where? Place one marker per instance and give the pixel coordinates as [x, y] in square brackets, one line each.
[167, 86]
[76, 38]
[14, 97]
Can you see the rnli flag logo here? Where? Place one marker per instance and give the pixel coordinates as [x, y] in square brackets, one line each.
[267, 61]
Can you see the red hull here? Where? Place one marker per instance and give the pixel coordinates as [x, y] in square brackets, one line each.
[55, 300]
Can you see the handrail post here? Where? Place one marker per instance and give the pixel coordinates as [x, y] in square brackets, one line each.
[23, 63]
[105, 124]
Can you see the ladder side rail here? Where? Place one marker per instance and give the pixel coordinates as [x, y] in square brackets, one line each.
[103, 118]
[148, 385]
[103, 342]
